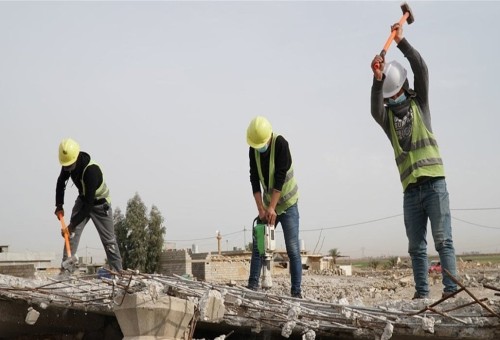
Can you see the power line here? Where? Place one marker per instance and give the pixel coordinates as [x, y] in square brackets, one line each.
[94, 248]
[206, 238]
[354, 224]
[471, 209]
[302, 230]
[476, 224]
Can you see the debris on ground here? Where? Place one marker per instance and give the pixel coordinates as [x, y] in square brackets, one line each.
[360, 307]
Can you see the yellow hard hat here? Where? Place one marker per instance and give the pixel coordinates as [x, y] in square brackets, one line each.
[259, 131]
[68, 151]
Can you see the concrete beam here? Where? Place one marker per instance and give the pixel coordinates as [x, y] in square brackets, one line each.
[142, 317]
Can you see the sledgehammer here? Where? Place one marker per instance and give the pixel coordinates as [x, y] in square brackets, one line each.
[408, 17]
[69, 263]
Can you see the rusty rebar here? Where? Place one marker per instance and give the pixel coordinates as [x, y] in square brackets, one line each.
[471, 295]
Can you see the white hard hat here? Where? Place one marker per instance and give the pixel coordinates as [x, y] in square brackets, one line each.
[395, 76]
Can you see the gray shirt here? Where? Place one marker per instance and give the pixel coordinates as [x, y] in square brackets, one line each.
[403, 114]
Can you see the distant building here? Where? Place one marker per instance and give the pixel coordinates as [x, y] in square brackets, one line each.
[24, 264]
[41, 260]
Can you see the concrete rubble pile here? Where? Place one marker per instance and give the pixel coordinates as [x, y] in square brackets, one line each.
[464, 316]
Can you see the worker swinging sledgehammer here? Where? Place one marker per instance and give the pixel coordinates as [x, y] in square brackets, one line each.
[404, 115]
[93, 202]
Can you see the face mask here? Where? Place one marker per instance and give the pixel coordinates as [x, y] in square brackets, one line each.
[70, 168]
[263, 149]
[398, 100]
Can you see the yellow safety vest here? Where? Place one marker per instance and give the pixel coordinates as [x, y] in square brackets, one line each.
[423, 158]
[102, 191]
[290, 191]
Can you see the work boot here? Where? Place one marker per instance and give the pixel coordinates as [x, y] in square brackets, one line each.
[448, 295]
[418, 296]
[297, 295]
[252, 288]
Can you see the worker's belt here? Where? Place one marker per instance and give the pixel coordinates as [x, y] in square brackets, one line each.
[100, 201]
[421, 182]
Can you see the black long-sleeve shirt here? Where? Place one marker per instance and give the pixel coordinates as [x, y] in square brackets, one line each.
[93, 179]
[282, 163]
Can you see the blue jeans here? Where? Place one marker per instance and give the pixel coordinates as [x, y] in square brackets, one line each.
[289, 221]
[429, 201]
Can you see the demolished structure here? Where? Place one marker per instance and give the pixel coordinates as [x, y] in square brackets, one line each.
[172, 307]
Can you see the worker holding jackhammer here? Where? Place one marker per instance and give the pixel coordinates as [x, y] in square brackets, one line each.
[93, 202]
[271, 166]
[404, 115]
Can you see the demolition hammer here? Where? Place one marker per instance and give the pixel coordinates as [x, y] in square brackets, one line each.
[407, 17]
[264, 234]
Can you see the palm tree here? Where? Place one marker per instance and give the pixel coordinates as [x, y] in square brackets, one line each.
[334, 253]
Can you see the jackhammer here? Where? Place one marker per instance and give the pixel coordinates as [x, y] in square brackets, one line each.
[264, 234]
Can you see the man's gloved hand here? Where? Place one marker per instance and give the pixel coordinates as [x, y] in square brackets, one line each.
[260, 220]
[59, 210]
[70, 230]
[378, 67]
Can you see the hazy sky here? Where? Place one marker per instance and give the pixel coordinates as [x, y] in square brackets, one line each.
[161, 93]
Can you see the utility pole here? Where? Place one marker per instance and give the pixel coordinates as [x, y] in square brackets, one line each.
[244, 238]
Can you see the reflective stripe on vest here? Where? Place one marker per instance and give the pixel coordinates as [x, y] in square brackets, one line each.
[102, 191]
[290, 191]
[423, 159]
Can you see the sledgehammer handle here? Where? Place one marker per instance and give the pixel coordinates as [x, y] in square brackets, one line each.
[391, 37]
[65, 233]
[393, 34]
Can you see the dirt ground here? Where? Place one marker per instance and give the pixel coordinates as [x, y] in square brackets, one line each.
[376, 287]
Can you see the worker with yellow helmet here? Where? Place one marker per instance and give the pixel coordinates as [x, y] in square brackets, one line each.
[271, 168]
[93, 201]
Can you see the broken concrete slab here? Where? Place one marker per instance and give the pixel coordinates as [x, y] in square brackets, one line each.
[211, 306]
[343, 311]
[141, 316]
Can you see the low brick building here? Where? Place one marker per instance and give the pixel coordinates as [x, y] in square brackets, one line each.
[224, 267]
[175, 261]
[24, 264]
[234, 265]
[229, 265]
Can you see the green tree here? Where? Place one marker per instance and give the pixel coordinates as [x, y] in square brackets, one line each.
[137, 222]
[154, 238]
[121, 235]
[140, 239]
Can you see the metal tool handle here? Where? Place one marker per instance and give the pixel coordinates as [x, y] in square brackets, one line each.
[65, 232]
[391, 38]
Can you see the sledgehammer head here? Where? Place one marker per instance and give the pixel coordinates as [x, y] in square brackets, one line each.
[406, 9]
[70, 264]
